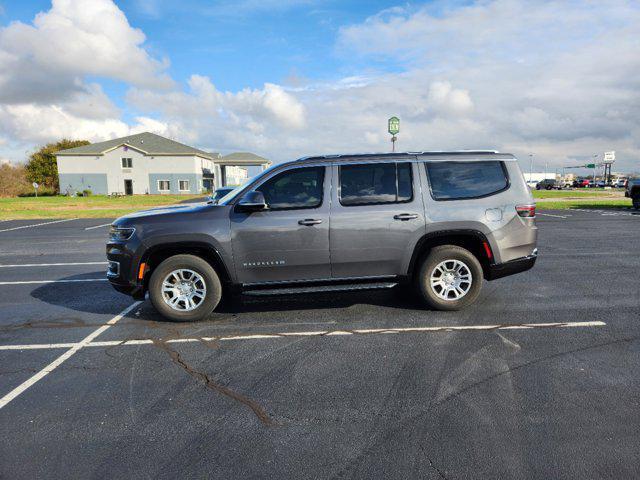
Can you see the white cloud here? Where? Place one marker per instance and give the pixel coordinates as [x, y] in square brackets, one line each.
[44, 94]
[250, 118]
[556, 78]
[560, 79]
[48, 60]
[40, 124]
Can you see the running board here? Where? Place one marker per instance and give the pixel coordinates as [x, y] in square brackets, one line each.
[319, 289]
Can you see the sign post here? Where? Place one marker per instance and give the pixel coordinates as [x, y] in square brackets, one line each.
[394, 129]
[609, 158]
[35, 187]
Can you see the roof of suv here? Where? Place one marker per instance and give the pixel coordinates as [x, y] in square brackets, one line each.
[458, 154]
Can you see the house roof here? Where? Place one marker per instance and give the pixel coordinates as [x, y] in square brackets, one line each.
[243, 158]
[147, 142]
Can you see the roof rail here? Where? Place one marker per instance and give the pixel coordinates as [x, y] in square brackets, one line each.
[387, 154]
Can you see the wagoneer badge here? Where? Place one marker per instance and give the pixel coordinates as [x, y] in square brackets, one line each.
[263, 264]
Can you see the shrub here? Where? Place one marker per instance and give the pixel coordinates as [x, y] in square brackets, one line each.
[86, 192]
[42, 166]
[13, 180]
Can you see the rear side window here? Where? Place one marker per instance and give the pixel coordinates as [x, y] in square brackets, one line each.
[459, 180]
[295, 188]
[375, 183]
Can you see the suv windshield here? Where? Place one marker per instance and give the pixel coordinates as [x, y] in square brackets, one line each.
[233, 193]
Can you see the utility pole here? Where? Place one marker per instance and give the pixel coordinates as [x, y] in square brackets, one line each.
[530, 167]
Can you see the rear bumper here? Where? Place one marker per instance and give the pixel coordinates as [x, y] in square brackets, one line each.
[499, 270]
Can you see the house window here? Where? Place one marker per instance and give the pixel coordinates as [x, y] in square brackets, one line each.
[184, 185]
[164, 185]
[127, 162]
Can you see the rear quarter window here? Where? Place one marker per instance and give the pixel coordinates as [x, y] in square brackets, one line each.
[460, 180]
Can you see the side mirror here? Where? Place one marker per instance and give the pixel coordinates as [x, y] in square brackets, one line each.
[252, 201]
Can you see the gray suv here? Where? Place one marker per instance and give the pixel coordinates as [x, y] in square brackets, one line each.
[439, 222]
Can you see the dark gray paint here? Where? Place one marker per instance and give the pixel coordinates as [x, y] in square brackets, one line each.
[356, 241]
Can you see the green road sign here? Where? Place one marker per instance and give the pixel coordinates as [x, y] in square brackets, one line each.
[394, 125]
[590, 165]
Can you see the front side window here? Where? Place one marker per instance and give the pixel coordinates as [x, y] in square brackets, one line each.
[460, 180]
[375, 183]
[164, 185]
[295, 188]
[184, 185]
[127, 162]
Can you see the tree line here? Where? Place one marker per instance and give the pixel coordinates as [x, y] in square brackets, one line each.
[41, 167]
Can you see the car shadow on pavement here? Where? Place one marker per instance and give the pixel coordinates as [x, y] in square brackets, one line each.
[76, 293]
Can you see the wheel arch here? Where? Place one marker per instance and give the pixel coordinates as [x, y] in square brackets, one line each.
[155, 255]
[473, 240]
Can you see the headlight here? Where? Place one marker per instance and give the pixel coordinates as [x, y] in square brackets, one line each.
[119, 234]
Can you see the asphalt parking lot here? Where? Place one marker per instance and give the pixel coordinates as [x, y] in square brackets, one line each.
[538, 380]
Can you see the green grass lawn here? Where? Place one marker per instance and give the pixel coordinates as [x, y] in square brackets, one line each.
[582, 198]
[586, 203]
[101, 206]
[96, 206]
[585, 192]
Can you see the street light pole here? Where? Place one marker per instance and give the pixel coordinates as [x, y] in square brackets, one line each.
[530, 167]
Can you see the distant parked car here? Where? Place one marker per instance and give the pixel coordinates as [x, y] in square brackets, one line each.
[633, 192]
[601, 184]
[581, 183]
[621, 183]
[220, 192]
[546, 184]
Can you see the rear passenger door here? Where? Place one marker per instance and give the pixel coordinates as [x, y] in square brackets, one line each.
[377, 216]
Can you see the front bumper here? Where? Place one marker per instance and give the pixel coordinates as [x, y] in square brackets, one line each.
[499, 270]
[124, 261]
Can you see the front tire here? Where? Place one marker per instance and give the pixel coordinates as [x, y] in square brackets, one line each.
[636, 203]
[185, 288]
[450, 278]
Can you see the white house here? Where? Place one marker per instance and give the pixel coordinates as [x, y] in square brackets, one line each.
[142, 163]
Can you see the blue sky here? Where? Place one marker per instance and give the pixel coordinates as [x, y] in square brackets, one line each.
[239, 44]
[560, 79]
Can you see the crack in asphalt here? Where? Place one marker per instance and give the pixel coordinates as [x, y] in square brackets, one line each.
[177, 359]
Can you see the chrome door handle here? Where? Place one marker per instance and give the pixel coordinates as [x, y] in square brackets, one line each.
[405, 216]
[308, 222]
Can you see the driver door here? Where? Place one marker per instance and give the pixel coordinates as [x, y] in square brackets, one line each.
[289, 241]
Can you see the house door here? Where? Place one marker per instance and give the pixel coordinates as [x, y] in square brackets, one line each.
[128, 187]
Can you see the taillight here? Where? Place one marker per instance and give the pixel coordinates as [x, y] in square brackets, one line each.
[526, 211]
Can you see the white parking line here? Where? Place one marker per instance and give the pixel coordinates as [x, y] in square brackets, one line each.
[52, 264]
[98, 226]
[551, 215]
[37, 224]
[312, 333]
[28, 282]
[64, 357]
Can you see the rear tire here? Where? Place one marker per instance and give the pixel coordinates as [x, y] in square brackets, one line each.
[450, 278]
[636, 203]
[185, 288]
